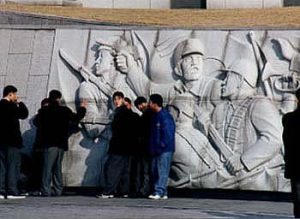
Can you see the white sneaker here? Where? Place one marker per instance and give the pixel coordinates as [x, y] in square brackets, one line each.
[2, 197]
[15, 196]
[154, 197]
[165, 197]
[105, 196]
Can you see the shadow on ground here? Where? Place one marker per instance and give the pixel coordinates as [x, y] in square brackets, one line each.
[202, 194]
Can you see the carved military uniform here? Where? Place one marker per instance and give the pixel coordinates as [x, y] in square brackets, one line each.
[251, 128]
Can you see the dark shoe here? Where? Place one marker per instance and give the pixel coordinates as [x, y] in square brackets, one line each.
[45, 195]
[35, 193]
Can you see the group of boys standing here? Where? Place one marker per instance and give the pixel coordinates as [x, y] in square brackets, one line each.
[53, 123]
[139, 156]
[140, 149]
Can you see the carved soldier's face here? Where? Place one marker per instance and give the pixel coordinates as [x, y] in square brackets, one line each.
[192, 66]
[231, 85]
[104, 62]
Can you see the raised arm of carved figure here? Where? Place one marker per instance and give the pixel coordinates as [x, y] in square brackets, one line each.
[136, 77]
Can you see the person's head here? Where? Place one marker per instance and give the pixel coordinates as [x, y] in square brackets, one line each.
[104, 61]
[231, 85]
[45, 102]
[118, 98]
[55, 95]
[127, 103]
[189, 59]
[155, 102]
[141, 103]
[241, 79]
[10, 93]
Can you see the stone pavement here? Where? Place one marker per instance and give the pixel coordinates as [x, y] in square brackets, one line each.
[79, 206]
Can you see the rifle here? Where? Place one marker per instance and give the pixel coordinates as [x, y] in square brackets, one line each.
[213, 135]
[105, 87]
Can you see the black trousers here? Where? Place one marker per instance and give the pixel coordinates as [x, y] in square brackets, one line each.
[117, 175]
[52, 171]
[295, 184]
[10, 165]
[140, 175]
[36, 173]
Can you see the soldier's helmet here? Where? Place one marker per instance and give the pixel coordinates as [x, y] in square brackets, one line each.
[247, 68]
[187, 47]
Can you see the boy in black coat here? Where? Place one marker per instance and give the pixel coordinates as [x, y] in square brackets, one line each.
[120, 149]
[53, 122]
[10, 142]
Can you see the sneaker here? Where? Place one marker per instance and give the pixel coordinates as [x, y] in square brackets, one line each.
[25, 194]
[165, 197]
[2, 197]
[154, 197]
[104, 196]
[15, 196]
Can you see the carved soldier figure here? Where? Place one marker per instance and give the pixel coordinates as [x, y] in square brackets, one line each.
[250, 126]
[189, 71]
[192, 88]
[196, 164]
[99, 109]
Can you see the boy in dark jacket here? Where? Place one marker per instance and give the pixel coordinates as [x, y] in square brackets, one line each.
[120, 148]
[53, 122]
[10, 142]
[141, 181]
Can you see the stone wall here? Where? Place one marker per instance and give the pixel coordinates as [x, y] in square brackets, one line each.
[227, 103]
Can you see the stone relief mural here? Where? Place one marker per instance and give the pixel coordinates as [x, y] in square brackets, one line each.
[227, 91]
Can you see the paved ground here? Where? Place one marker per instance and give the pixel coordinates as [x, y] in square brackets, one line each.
[90, 207]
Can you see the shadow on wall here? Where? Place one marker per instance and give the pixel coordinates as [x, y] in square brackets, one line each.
[291, 3]
[176, 4]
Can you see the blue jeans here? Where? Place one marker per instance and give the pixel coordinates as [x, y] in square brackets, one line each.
[160, 169]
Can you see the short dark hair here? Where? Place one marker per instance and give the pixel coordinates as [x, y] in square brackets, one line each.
[139, 100]
[118, 94]
[9, 89]
[54, 95]
[45, 102]
[127, 99]
[297, 93]
[157, 99]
